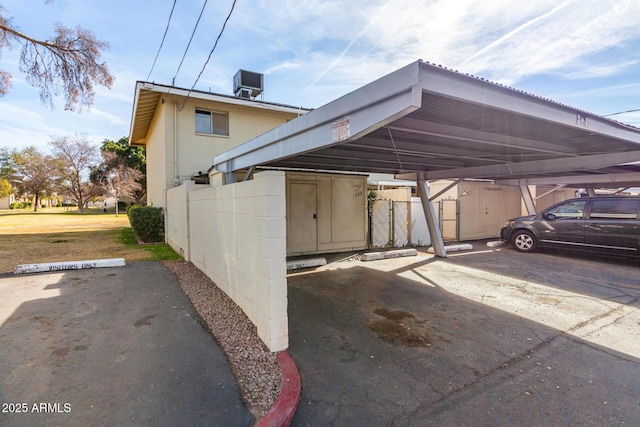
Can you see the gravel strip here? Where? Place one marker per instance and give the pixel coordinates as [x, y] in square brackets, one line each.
[253, 365]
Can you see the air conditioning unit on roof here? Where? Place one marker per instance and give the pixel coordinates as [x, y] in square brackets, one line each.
[248, 82]
[243, 93]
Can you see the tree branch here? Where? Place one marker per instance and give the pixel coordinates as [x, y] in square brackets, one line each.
[70, 63]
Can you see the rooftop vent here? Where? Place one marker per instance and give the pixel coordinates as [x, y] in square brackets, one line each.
[248, 84]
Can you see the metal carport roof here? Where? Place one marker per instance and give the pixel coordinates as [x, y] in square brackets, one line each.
[426, 122]
[445, 124]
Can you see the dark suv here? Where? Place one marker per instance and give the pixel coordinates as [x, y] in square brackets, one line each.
[609, 224]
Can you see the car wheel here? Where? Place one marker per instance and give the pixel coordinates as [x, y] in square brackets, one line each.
[524, 241]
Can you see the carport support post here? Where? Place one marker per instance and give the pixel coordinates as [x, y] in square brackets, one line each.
[527, 199]
[432, 220]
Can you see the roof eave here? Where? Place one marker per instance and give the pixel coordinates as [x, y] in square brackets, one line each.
[185, 93]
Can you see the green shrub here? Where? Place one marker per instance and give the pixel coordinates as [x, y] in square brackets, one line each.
[15, 205]
[147, 223]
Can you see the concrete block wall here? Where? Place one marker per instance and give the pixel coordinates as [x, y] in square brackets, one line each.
[237, 237]
[177, 218]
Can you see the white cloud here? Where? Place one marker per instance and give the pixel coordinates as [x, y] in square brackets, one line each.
[285, 66]
[317, 50]
[560, 41]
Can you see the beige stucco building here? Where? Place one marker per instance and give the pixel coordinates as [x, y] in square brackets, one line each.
[184, 130]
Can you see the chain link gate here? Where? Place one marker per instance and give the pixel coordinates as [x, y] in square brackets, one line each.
[389, 224]
[400, 231]
[449, 219]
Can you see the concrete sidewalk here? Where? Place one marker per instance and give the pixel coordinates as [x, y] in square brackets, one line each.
[114, 346]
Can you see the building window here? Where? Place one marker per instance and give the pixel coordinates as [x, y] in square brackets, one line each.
[212, 122]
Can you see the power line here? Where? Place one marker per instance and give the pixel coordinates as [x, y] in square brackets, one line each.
[211, 53]
[163, 37]
[173, 83]
[622, 112]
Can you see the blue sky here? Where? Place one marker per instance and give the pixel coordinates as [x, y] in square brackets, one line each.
[583, 53]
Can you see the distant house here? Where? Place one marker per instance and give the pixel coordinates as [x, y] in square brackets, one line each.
[5, 202]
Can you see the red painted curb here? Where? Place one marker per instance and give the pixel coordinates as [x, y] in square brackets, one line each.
[285, 407]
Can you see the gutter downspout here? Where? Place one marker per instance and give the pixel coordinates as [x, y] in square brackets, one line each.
[175, 142]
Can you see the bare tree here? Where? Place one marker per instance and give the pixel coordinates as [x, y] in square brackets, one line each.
[35, 175]
[117, 178]
[69, 62]
[74, 158]
[134, 157]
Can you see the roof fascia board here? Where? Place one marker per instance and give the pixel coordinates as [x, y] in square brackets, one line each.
[134, 108]
[450, 83]
[617, 179]
[184, 93]
[369, 107]
[561, 165]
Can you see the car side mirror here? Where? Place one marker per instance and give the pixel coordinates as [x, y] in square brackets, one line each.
[548, 216]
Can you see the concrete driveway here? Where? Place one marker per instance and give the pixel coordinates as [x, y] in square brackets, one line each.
[487, 338]
[111, 346]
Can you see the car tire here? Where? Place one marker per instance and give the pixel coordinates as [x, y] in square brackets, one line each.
[524, 241]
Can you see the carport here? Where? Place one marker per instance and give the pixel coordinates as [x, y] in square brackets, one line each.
[425, 122]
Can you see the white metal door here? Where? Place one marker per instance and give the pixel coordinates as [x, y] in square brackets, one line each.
[302, 225]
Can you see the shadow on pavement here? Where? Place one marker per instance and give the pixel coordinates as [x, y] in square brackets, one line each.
[112, 346]
[377, 348]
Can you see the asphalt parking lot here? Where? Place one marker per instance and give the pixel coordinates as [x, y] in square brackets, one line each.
[490, 337]
[111, 346]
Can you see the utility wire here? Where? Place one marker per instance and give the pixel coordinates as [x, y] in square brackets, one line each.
[622, 112]
[173, 83]
[163, 37]
[210, 53]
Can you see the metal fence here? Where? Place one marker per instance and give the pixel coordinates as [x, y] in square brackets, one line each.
[449, 219]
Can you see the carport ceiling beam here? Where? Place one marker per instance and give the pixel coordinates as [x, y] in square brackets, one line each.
[390, 165]
[423, 150]
[370, 156]
[561, 165]
[441, 130]
[618, 178]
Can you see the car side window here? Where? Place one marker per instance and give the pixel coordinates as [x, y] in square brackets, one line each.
[614, 209]
[569, 210]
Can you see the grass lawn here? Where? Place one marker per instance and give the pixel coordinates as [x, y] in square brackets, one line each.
[58, 234]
